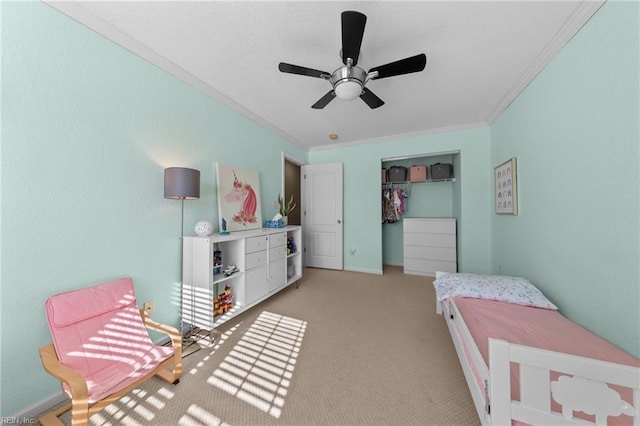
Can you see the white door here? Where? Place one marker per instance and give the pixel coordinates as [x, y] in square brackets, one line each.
[322, 215]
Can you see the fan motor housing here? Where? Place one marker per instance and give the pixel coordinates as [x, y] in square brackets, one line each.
[351, 74]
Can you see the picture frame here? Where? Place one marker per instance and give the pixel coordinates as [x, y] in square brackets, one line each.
[238, 197]
[506, 187]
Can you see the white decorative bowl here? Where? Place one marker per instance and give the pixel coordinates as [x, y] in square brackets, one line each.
[203, 228]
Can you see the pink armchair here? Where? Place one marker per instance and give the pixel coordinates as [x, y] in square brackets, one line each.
[101, 349]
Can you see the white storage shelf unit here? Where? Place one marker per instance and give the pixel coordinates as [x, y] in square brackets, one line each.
[262, 259]
[429, 245]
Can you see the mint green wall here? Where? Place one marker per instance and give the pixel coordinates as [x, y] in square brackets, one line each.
[362, 197]
[575, 134]
[87, 129]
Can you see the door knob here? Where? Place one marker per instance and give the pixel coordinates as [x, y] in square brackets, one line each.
[339, 221]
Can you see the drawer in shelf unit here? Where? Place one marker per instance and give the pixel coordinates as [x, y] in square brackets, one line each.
[278, 239]
[277, 253]
[256, 259]
[254, 244]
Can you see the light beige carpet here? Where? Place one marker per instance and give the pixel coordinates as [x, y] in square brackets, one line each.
[344, 348]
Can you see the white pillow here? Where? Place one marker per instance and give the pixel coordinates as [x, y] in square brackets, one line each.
[439, 274]
[515, 290]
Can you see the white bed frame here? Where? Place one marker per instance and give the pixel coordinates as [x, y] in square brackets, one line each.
[582, 389]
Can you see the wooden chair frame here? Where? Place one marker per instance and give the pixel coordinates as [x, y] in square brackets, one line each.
[81, 410]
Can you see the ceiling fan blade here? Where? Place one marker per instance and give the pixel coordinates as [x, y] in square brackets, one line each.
[296, 69]
[403, 66]
[370, 99]
[323, 101]
[352, 32]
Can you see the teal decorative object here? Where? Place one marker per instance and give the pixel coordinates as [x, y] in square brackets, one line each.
[223, 227]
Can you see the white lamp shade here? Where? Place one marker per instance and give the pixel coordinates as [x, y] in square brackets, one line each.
[348, 90]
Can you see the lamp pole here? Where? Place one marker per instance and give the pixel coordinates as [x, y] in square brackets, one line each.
[181, 183]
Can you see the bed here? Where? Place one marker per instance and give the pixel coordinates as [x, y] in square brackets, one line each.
[526, 364]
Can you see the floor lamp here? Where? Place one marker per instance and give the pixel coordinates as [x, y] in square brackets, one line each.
[183, 184]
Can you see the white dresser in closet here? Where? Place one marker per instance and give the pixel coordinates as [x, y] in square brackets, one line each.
[429, 245]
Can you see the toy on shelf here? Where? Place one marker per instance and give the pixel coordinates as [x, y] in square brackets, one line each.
[217, 308]
[291, 270]
[226, 299]
[291, 245]
[217, 261]
[224, 302]
[230, 270]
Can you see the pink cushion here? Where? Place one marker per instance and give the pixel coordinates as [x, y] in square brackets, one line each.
[98, 331]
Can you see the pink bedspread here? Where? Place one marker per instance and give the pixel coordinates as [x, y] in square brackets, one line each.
[536, 327]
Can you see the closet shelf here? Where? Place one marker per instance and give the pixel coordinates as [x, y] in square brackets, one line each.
[390, 184]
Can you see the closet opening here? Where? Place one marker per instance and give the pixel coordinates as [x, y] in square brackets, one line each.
[426, 191]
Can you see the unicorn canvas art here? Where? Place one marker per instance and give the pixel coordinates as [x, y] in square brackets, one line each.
[238, 197]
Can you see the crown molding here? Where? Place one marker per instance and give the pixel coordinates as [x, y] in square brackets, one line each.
[575, 22]
[78, 13]
[439, 130]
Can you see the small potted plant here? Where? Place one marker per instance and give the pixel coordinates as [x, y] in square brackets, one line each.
[285, 208]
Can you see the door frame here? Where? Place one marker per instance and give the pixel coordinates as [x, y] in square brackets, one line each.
[284, 158]
[339, 245]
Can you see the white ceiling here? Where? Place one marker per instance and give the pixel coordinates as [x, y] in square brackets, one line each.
[480, 56]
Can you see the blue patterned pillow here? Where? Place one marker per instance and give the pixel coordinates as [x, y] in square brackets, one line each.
[492, 287]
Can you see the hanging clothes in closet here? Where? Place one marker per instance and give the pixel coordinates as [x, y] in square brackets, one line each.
[393, 204]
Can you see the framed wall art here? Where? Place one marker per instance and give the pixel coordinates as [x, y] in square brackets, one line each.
[238, 197]
[506, 187]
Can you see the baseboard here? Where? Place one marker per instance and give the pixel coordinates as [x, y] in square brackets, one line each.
[366, 271]
[42, 406]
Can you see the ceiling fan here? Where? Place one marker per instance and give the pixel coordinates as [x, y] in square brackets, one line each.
[348, 82]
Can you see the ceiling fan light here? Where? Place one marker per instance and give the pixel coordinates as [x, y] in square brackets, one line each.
[348, 90]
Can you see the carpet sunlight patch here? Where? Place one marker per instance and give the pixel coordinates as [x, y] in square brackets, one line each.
[259, 368]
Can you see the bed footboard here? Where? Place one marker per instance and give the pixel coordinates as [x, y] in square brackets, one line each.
[580, 386]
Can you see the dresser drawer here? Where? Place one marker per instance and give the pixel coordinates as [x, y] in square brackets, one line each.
[254, 244]
[253, 260]
[447, 254]
[276, 240]
[431, 226]
[277, 253]
[430, 240]
[428, 267]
